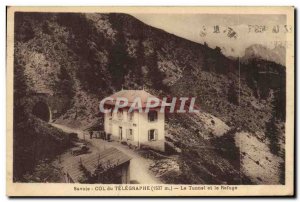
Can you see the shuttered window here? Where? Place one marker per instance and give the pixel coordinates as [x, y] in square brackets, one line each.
[152, 135]
[152, 116]
[129, 134]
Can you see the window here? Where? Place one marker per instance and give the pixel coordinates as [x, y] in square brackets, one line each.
[152, 135]
[152, 116]
[129, 134]
[130, 116]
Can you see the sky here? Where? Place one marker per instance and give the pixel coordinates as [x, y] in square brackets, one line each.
[201, 27]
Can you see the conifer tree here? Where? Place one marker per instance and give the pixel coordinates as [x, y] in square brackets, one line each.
[154, 73]
[272, 133]
[118, 57]
[140, 61]
[233, 96]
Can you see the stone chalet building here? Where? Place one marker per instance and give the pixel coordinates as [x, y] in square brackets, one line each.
[139, 129]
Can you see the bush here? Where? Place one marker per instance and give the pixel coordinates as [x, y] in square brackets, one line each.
[44, 171]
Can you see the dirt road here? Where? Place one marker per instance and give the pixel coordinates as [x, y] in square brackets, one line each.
[138, 165]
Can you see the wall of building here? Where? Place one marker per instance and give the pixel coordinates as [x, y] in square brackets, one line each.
[145, 126]
[113, 123]
[126, 173]
[140, 127]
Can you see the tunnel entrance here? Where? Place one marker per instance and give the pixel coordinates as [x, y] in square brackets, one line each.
[42, 111]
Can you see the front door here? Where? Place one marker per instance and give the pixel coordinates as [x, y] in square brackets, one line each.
[120, 133]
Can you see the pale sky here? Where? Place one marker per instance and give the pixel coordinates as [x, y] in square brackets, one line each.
[200, 28]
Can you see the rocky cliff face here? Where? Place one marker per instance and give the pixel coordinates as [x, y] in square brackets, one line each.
[276, 54]
[83, 58]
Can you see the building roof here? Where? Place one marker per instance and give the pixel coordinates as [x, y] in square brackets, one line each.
[73, 169]
[107, 158]
[131, 95]
[110, 157]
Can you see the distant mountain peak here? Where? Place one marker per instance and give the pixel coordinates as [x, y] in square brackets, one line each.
[277, 54]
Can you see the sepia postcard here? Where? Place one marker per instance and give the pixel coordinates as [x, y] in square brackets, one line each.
[150, 101]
